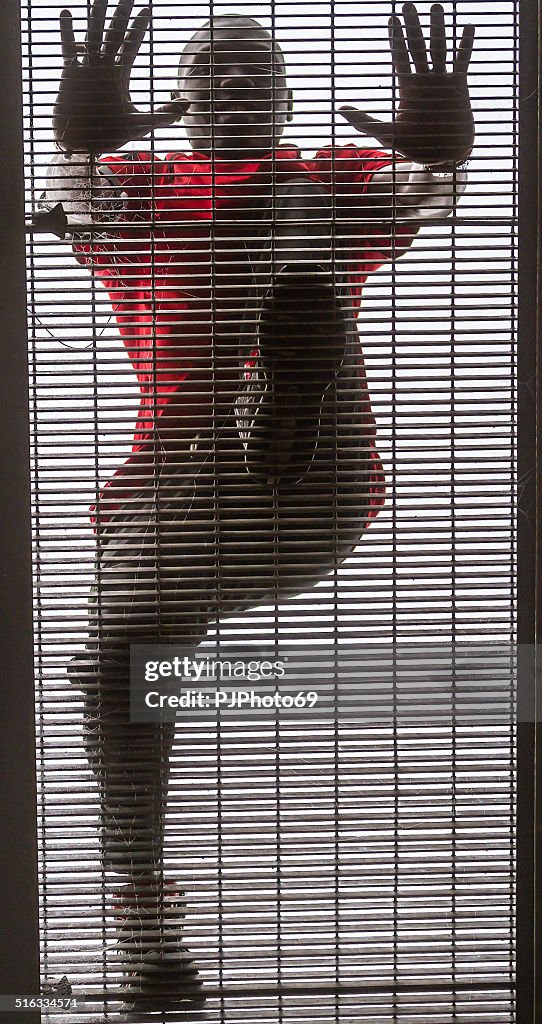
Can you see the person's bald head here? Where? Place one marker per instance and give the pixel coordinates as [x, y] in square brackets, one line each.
[237, 28]
[233, 73]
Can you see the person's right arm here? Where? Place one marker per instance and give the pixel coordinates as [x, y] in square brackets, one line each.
[94, 113]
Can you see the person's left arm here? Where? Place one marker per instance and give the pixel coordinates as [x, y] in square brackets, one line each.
[432, 134]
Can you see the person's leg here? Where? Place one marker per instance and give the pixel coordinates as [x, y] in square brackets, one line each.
[152, 586]
[280, 539]
[311, 477]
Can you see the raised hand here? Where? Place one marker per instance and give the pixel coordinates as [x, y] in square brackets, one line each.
[94, 112]
[434, 125]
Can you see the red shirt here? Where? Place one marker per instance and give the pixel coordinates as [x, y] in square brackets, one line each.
[178, 291]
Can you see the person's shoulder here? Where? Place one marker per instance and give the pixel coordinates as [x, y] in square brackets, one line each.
[288, 151]
[347, 166]
[349, 151]
[135, 160]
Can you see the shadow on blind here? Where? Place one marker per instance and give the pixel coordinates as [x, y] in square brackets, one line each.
[335, 864]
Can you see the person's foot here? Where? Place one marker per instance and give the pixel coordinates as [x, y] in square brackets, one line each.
[156, 967]
[302, 337]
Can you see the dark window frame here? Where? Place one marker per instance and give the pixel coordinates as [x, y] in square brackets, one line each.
[19, 935]
[529, 809]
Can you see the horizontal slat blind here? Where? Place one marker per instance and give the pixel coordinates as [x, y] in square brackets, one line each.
[333, 869]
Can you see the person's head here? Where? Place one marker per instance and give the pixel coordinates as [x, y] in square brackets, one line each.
[233, 73]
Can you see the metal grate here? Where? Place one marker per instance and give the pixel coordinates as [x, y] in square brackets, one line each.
[333, 869]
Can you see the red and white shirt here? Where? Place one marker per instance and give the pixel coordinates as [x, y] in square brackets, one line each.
[179, 275]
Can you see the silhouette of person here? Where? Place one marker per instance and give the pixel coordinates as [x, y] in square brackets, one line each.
[235, 272]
